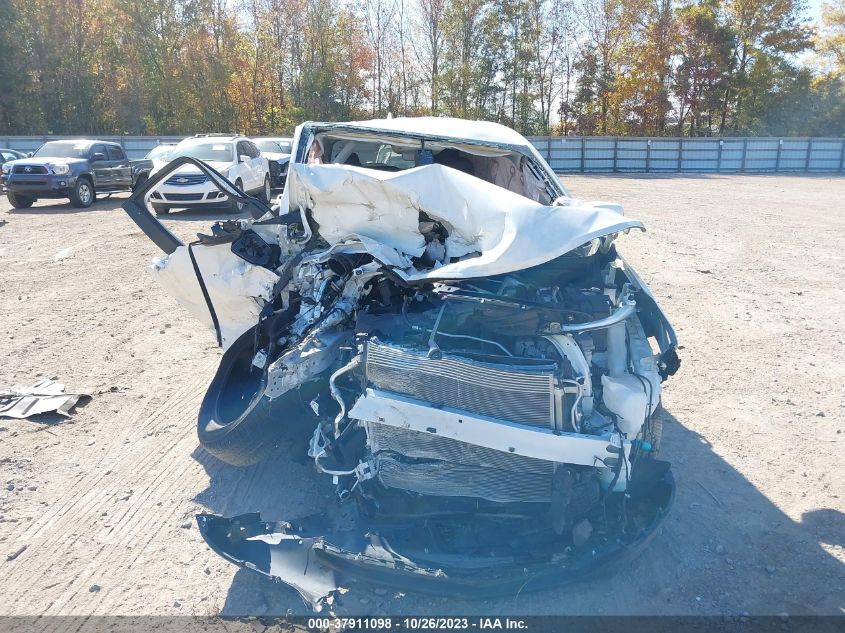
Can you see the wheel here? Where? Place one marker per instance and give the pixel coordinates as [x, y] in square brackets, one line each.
[18, 201]
[266, 192]
[161, 209]
[235, 206]
[236, 423]
[82, 196]
[655, 429]
[140, 182]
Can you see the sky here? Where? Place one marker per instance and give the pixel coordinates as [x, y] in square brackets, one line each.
[814, 10]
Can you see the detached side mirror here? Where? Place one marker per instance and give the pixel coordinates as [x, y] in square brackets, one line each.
[96, 156]
[243, 158]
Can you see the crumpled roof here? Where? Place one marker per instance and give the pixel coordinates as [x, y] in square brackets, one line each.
[446, 127]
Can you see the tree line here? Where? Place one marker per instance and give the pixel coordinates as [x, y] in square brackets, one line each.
[615, 67]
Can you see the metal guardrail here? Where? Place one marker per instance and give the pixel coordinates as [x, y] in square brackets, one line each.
[591, 154]
[609, 154]
[134, 146]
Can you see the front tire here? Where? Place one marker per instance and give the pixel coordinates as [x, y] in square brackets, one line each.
[237, 423]
[142, 179]
[83, 195]
[235, 206]
[266, 192]
[18, 201]
[654, 435]
[161, 209]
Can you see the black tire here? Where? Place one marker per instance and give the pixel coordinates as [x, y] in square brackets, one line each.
[161, 209]
[236, 423]
[142, 179]
[234, 205]
[655, 433]
[18, 201]
[266, 191]
[83, 194]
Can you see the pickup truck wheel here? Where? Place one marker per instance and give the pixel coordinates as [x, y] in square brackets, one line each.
[82, 195]
[161, 209]
[237, 423]
[18, 201]
[266, 192]
[140, 182]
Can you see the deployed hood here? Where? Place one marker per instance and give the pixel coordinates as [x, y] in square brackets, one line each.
[490, 231]
[276, 156]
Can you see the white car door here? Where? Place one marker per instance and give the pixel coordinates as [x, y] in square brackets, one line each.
[242, 171]
[256, 165]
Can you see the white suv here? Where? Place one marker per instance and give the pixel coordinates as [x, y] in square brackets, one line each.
[236, 157]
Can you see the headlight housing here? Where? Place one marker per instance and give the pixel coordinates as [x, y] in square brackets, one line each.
[60, 170]
[7, 167]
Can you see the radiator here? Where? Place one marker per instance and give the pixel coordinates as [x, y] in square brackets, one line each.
[434, 465]
[516, 393]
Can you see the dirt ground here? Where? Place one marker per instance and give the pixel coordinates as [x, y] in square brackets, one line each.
[747, 267]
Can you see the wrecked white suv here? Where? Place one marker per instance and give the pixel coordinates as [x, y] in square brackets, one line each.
[481, 370]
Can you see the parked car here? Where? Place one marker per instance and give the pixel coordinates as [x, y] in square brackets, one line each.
[277, 151]
[454, 341]
[7, 155]
[236, 157]
[77, 170]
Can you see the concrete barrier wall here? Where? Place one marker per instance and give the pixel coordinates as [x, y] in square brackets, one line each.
[135, 146]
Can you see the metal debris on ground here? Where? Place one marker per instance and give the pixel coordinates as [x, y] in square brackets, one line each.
[45, 396]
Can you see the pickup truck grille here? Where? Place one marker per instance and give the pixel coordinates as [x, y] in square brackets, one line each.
[186, 180]
[29, 169]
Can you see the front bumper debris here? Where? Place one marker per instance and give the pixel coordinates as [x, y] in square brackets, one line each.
[317, 556]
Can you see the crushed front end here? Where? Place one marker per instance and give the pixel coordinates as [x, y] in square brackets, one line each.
[482, 372]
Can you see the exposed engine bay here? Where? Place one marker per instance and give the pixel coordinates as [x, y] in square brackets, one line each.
[482, 375]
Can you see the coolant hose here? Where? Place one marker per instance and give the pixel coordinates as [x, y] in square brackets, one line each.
[336, 392]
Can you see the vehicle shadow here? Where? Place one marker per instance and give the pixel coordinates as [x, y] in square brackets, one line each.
[725, 549]
[63, 207]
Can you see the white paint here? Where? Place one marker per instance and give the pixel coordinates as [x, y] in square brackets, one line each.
[508, 231]
[236, 288]
[446, 127]
[625, 396]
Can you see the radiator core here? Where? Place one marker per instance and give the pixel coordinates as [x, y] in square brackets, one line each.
[431, 464]
[513, 392]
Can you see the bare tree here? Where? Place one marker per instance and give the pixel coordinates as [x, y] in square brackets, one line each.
[431, 17]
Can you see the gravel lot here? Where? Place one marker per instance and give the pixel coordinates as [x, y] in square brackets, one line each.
[747, 267]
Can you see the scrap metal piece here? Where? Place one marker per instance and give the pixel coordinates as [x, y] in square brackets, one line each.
[273, 550]
[45, 396]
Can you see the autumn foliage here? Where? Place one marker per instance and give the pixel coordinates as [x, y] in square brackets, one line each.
[643, 67]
